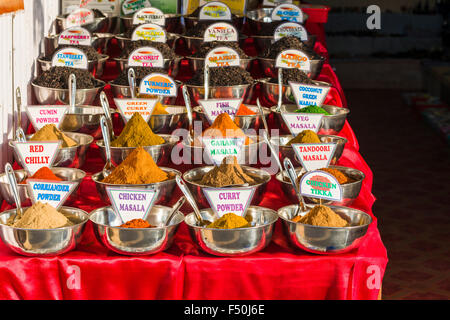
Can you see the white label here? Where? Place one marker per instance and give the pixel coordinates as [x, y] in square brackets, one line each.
[42, 115]
[215, 11]
[321, 185]
[128, 107]
[213, 107]
[76, 35]
[308, 95]
[229, 200]
[290, 29]
[70, 57]
[219, 148]
[274, 3]
[289, 12]
[293, 59]
[158, 84]
[80, 17]
[222, 57]
[150, 32]
[297, 122]
[220, 31]
[131, 203]
[36, 154]
[146, 57]
[314, 156]
[53, 193]
[131, 6]
[149, 15]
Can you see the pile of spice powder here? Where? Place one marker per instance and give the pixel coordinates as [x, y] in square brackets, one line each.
[136, 223]
[322, 216]
[137, 133]
[306, 136]
[42, 216]
[224, 127]
[245, 111]
[43, 173]
[229, 221]
[313, 109]
[50, 132]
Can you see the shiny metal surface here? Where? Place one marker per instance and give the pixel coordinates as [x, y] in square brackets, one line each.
[191, 21]
[234, 242]
[193, 177]
[121, 91]
[330, 124]
[44, 242]
[135, 241]
[269, 69]
[173, 22]
[350, 191]
[96, 67]
[167, 123]
[239, 91]
[123, 40]
[171, 65]
[101, 24]
[160, 153]
[264, 42]
[196, 63]
[193, 44]
[262, 16]
[326, 240]
[165, 187]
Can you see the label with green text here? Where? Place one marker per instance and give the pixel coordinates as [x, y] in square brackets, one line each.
[321, 185]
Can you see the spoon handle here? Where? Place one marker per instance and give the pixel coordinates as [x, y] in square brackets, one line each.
[263, 118]
[19, 108]
[107, 111]
[106, 140]
[280, 89]
[187, 102]
[175, 209]
[13, 183]
[132, 82]
[293, 177]
[72, 89]
[206, 81]
[275, 153]
[189, 198]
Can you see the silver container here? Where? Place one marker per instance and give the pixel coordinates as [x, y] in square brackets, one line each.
[264, 42]
[101, 24]
[171, 65]
[46, 95]
[262, 17]
[326, 240]
[43, 242]
[350, 191]
[193, 44]
[193, 177]
[123, 40]
[71, 157]
[160, 153]
[330, 124]
[84, 119]
[96, 67]
[167, 123]
[288, 151]
[197, 64]
[248, 156]
[242, 91]
[192, 21]
[173, 22]
[269, 69]
[67, 174]
[135, 241]
[121, 91]
[165, 188]
[234, 242]
[99, 42]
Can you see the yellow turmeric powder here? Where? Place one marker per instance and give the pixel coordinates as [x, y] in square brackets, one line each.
[306, 136]
[229, 221]
[137, 133]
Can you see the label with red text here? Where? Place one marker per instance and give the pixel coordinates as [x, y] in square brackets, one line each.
[321, 185]
[150, 32]
[219, 148]
[53, 193]
[146, 57]
[36, 154]
[314, 156]
[70, 57]
[308, 95]
[158, 84]
[289, 12]
[293, 59]
[222, 57]
[46, 114]
[220, 31]
[80, 17]
[76, 36]
[132, 203]
[131, 6]
[215, 10]
[297, 122]
[213, 107]
[229, 200]
[128, 107]
[149, 15]
[290, 29]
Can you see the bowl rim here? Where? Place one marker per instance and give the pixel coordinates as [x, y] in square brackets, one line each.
[89, 138]
[235, 86]
[101, 145]
[266, 82]
[345, 111]
[165, 169]
[122, 36]
[190, 17]
[266, 111]
[170, 114]
[339, 138]
[178, 82]
[258, 142]
[19, 185]
[88, 106]
[241, 37]
[103, 84]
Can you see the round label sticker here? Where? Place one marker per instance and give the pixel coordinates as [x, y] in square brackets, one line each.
[222, 57]
[70, 57]
[220, 31]
[149, 31]
[215, 10]
[146, 57]
[75, 35]
[289, 12]
[292, 58]
[158, 84]
[131, 6]
[149, 15]
[322, 185]
[79, 17]
[290, 29]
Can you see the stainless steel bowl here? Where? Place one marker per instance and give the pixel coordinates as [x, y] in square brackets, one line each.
[330, 124]
[135, 241]
[171, 65]
[67, 174]
[121, 91]
[165, 188]
[350, 191]
[249, 122]
[234, 242]
[173, 22]
[167, 123]
[264, 42]
[197, 64]
[191, 21]
[96, 67]
[193, 177]
[269, 91]
[269, 69]
[193, 44]
[123, 40]
[248, 156]
[46, 95]
[43, 242]
[99, 42]
[71, 157]
[101, 24]
[160, 153]
[326, 240]
[261, 18]
[228, 92]
[84, 119]
[288, 151]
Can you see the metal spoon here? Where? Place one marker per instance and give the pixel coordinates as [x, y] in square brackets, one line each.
[19, 110]
[20, 135]
[175, 209]
[13, 183]
[107, 111]
[206, 81]
[293, 177]
[274, 153]
[261, 113]
[132, 82]
[107, 169]
[280, 89]
[72, 90]
[187, 102]
[190, 199]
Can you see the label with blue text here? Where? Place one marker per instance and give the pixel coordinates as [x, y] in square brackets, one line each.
[53, 193]
[158, 84]
[287, 11]
[308, 95]
[70, 57]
